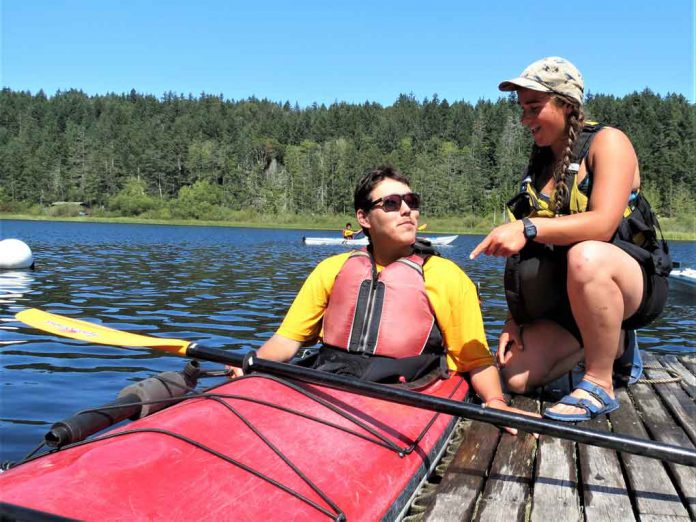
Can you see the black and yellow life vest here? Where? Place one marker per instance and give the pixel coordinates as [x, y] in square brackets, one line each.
[529, 203]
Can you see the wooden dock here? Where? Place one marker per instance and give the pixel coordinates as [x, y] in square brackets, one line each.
[494, 476]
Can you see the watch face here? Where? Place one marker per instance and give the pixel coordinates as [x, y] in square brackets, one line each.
[530, 230]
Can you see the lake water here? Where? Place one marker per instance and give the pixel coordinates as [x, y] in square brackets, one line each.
[226, 287]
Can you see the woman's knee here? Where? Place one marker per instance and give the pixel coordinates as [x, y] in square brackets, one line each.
[604, 264]
[587, 261]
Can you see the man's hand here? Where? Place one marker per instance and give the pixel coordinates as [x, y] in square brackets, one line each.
[233, 372]
[499, 404]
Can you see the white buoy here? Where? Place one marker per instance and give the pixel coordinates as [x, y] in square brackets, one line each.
[15, 254]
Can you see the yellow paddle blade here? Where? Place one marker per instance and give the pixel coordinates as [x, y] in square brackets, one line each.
[423, 226]
[94, 333]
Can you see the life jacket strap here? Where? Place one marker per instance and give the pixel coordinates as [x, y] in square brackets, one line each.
[376, 368]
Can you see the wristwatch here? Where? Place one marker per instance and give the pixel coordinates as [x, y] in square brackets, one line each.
[530, 231]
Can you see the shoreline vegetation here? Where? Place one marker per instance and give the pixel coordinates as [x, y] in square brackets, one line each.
[174, 159]
[320, 223]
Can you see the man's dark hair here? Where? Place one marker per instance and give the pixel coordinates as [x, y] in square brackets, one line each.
[361, 197]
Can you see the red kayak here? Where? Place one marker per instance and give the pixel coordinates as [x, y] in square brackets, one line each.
[257, 448]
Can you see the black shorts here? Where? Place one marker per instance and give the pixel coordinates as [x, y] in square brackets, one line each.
[535, 288]
[654, 298]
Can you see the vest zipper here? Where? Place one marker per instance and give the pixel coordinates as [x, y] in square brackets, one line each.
[369, 310]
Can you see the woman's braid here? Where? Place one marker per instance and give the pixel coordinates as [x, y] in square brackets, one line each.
[561, 174]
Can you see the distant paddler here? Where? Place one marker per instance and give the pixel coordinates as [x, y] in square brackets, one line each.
[349, 233]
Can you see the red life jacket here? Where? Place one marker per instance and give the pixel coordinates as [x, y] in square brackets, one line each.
[386, 313]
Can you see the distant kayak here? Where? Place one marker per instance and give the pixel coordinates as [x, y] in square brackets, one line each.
[685, 276]
[435, 240]
[256, 448]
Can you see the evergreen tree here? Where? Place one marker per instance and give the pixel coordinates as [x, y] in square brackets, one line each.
[168, 155]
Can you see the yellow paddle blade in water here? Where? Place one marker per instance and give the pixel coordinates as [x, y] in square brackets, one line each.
[423, 226]
[94, 333]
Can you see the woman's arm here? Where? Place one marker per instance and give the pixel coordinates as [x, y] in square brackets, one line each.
[615, 168]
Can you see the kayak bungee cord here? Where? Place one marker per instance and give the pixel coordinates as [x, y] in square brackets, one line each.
[56, 442]
[432, 420]
[338, 515]
[401, 451]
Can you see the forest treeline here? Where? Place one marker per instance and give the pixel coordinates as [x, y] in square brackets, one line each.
[206, 157]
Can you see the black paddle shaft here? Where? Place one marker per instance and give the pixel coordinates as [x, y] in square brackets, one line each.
[623, 443]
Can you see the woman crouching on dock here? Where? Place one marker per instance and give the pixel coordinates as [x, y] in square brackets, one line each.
[577, 285]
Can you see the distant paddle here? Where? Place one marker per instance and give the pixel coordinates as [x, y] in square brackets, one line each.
[422, 227]
[84, 331]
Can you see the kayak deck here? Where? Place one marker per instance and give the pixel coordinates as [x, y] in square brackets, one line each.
[252, 449]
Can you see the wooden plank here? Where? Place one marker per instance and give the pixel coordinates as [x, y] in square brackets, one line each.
[455, 496]
[680, 405]
[649, 483]
[661, 518]
[605, 494]
[689, 361]
[507, 493]
[672, 360]
[662, 427]
[688, 379]
[555, 494]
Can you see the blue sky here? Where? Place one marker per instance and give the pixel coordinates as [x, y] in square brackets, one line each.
[324, 51]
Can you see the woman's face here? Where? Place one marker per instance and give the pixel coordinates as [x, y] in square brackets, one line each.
[398, 227]
[544, 118]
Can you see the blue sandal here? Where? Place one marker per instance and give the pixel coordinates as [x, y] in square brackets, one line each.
[592, 410]
[629, 367]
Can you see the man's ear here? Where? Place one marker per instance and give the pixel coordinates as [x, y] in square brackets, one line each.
[361, 216]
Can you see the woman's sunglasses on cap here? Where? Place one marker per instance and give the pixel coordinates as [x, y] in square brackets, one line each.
[392, 202]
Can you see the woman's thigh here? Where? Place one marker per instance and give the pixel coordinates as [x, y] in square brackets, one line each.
[604, 268]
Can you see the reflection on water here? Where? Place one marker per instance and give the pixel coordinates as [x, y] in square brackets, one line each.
[14, 284]
[224, 287]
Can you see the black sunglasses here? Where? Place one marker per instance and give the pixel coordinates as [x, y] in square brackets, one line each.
[392, 202]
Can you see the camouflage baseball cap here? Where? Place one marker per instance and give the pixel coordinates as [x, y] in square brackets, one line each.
[552, 74]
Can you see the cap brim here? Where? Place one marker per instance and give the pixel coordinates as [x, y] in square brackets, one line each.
[516, 83]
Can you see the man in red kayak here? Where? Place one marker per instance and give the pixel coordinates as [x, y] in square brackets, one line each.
[394, 312]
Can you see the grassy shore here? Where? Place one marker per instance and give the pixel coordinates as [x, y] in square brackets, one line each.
[679, 231]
